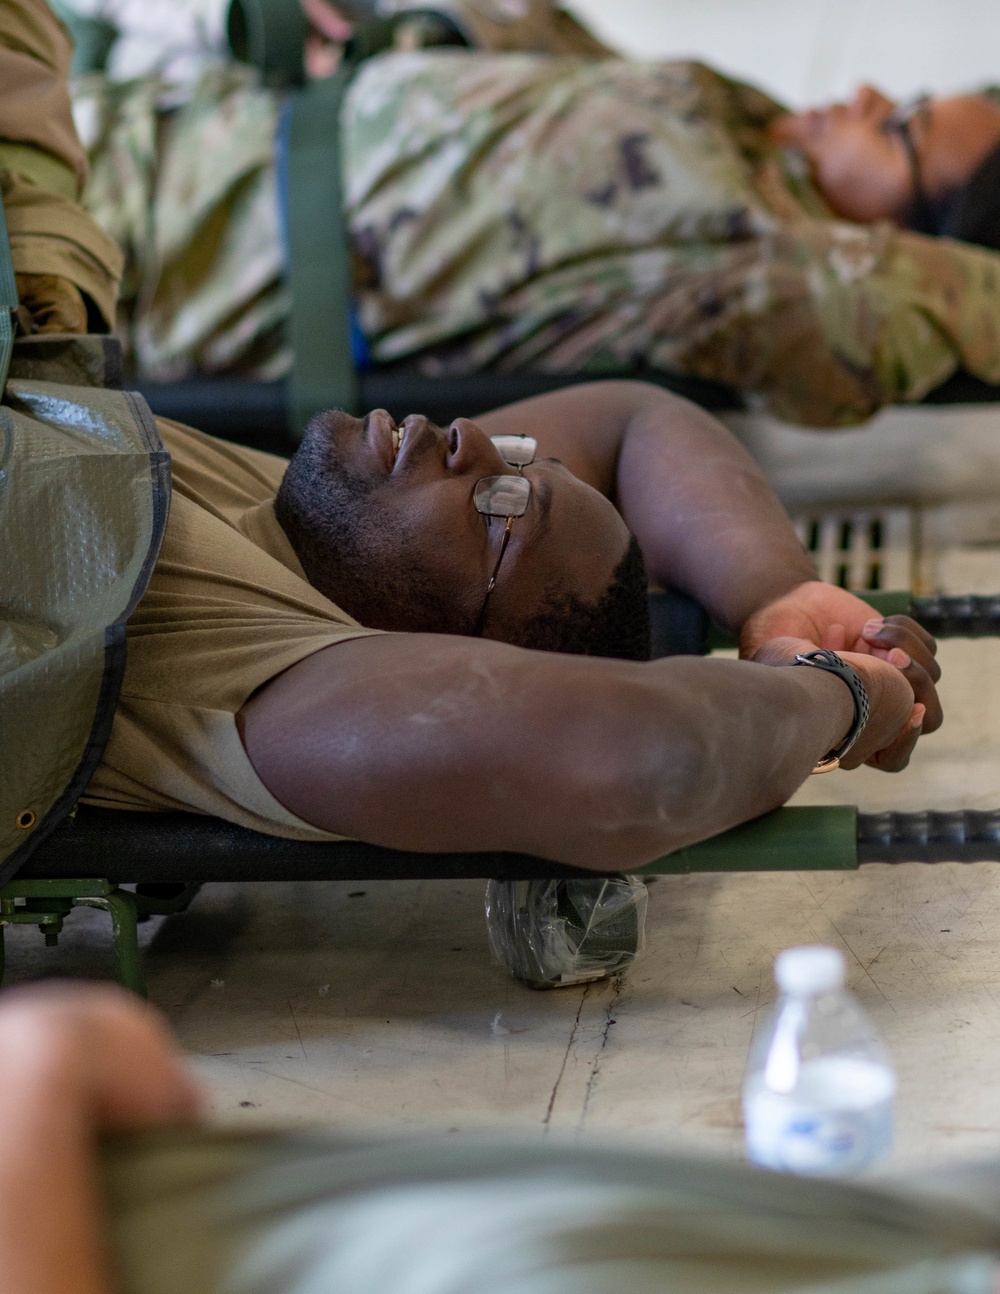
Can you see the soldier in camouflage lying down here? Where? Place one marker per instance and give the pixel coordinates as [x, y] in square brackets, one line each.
[575, 213]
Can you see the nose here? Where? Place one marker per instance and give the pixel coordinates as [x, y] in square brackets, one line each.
[869, 100]
[471, 450]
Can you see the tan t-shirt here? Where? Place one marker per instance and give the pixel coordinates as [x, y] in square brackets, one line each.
[228, 608]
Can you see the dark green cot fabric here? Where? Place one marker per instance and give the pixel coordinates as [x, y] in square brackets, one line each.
[231, 1213]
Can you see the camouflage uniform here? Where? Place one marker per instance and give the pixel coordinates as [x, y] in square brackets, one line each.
[189, 195]
[570, 214]
[522, 212]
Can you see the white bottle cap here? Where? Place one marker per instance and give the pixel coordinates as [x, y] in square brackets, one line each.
[813, 969]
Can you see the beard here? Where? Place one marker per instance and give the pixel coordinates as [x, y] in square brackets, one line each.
[349, 533]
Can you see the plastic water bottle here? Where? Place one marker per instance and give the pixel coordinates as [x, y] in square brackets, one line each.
[819, 1089]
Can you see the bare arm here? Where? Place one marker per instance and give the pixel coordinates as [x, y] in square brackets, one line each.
[710, 525]
[430, 742]
[705, 517]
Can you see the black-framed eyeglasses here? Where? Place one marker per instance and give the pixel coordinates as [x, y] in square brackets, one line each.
[900, 123]
[504, 496]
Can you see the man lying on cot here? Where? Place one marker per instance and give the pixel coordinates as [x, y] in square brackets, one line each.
[395, 637]
[572, 214]
[192, 1211]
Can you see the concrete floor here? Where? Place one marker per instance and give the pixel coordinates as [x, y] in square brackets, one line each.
[378, 1007]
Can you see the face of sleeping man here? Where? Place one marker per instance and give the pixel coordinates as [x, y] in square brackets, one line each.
[860, 161]
[383, 519]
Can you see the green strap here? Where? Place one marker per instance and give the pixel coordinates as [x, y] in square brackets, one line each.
[323, 375]
[319, 244]
[8, 301]
[271, 34]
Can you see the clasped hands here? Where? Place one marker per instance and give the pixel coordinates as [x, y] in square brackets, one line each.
[894, 656]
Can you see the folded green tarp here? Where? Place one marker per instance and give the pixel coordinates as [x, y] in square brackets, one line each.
[83, 499]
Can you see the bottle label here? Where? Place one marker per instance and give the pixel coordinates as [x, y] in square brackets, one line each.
[793, 1136]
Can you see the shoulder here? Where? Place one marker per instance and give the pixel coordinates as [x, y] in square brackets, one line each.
[220, 476]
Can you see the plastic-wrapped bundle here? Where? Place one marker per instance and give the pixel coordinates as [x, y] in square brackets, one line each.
[555, 933]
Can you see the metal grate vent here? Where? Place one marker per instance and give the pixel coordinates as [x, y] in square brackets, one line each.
[865, 549]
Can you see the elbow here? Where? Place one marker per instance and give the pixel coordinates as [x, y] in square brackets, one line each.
[676, 775]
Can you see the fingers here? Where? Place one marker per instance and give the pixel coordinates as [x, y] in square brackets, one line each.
[138, 1071]
[113, 1053]
[895, 722]
[843, 623]
[895, 757]
[908, 646]
[895, 754]
[326, 19]
[902, 632]
[924, 693]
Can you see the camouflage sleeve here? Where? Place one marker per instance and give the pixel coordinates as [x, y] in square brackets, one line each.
[828, 322]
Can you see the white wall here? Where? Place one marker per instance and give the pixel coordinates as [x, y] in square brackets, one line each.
[810, 51]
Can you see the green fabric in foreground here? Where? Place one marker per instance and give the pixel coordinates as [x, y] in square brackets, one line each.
[204, 1213]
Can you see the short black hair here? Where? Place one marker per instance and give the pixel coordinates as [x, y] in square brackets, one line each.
[617, 624]
[973, 214]
[970, 212]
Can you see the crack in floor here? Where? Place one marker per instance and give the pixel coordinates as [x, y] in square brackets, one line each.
[610, 1019]
[562, 1068]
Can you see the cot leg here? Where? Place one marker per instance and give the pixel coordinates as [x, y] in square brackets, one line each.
[125, 932]
[120, 907]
